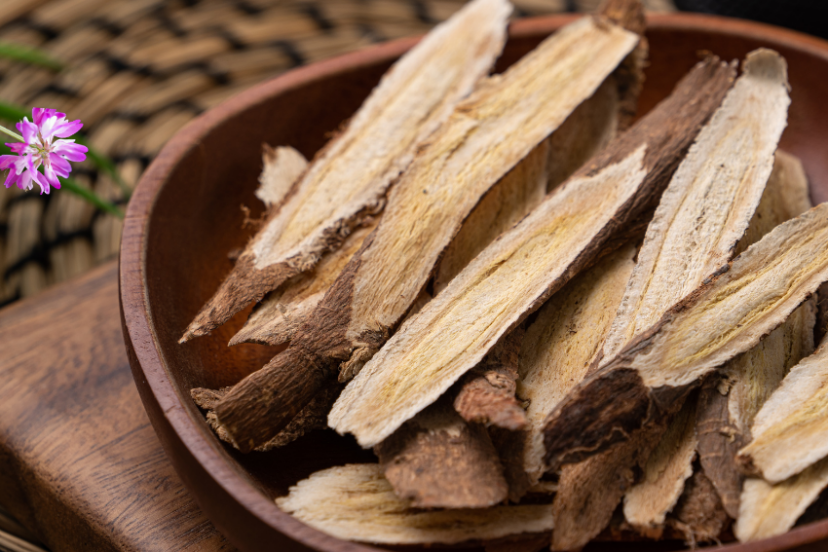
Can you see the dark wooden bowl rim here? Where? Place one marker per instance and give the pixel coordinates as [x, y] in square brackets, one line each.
[156, 384]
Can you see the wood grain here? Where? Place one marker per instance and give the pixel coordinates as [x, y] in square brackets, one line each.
[80, 465]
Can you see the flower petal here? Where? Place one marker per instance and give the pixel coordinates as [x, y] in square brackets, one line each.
[39, 114]
[70, 150]
[18, 147]
[7, 161]
[24, 181]
[50, 177]
[60, 165]
[28, 130]
[12, 178]
[63, 128]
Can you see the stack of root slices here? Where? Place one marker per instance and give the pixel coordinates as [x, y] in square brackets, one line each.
[549, 324]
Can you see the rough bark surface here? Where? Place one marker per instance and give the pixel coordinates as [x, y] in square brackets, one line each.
[771, 509]
[519, 271]
[729, 403]
[283, 166]
[356, 502]
[790, 432]
[509, 445]
[589, 492]
[699, 515]
[487, 392]
[275, 320]
[489, 133]
[312, 417]
[348, 179]
[437, 460]
[671, 463]
[562, 342]
[649, 379]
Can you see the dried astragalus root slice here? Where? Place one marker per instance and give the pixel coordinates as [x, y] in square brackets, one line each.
[559, 348]
[751, 378]
[516, 273]
[356, 502]
[769, 509]
[701, 216]
[668, 467]
[562, 342]
[312, 417]
[584, 133]
[275, 320]
[710, 201]
[490, 132]
[349, 178]
[505, 204]
[728, 404]
[282, 167]
[699, 515]
[650, 378]
[790, 432]
[437, 460]
[487, 392]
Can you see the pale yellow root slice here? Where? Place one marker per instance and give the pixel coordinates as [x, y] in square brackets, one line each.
[588, 129]
[562, 342]
[502, 207]
[754, 375]
[276, 319]
[350, 177]
[507, 117]
[758, 293]
[770, 509]
[356, 502]
[282, 167]
[426, 357]
[785, 197]
[790, 432]
[517, 272]
[708, 205]
[728, 404]
[705, 210]
[725, 317]
[670, 464]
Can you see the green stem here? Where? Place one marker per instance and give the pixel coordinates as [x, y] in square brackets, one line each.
[90, 196]
[32, 56]
[14, 135]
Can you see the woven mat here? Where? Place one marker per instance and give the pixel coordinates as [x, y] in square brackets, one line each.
[138, 70]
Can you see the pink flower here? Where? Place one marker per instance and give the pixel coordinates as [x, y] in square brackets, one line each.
[40, 148]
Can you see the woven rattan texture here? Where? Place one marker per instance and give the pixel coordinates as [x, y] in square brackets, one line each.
[138, 70]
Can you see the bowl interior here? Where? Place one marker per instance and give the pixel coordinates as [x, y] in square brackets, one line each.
[196, 218]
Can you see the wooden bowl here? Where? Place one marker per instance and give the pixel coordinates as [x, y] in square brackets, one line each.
[185, 218]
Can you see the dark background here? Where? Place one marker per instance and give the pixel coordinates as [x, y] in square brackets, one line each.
[809, 16]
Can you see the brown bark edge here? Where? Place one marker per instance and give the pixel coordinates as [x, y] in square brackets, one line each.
[620, 403]
[447, 464]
